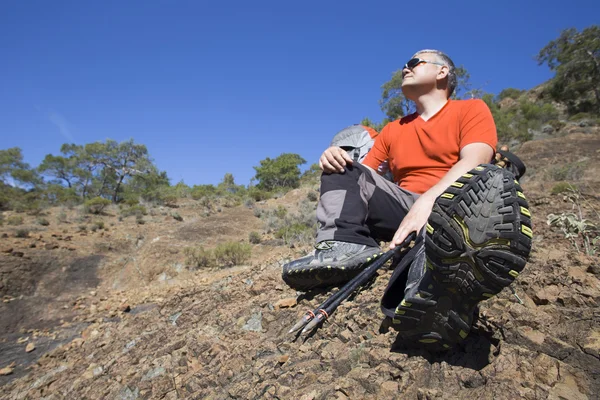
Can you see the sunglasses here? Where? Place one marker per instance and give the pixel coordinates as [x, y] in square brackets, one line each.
[413, 62]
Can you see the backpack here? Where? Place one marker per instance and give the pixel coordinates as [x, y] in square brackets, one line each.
[357, 140]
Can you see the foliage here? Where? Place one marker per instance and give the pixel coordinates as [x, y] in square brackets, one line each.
[22, 233]
[280, 172]
[13, 168]
[254, 237]
[42, 221]
[14, 220]
[197, 257]
[575, 58]
[574, 226]
[96, 205]
[137, 210]
[177, 217]
[562, 187]
[510, 93]
[232, 253]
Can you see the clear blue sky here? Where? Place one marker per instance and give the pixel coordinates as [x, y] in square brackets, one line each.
[215, 87]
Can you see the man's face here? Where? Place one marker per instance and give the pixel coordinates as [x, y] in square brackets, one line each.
[422, 75]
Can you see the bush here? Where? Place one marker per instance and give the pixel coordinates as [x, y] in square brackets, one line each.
[563, 187]
[137, 210]
[43, 221]
[61, 217]
[254, 237]
[232, 253]
[82, 228]
[198, 257]
[22, 233]
[258, 194]
[281, 212]
[177, 217]
[139, 220]
[15, 220]
[1, 219]
[96, 205]
[258, 212]
[312, 196]
[99, 224]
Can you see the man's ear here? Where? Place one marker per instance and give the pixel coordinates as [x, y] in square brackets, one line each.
[443, 72]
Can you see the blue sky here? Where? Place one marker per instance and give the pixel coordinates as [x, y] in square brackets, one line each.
[215, 87]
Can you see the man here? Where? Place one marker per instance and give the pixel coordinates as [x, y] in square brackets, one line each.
[476, 243]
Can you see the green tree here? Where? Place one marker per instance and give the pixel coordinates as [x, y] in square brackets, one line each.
[12, 166]
[280, 172]
[575, 59]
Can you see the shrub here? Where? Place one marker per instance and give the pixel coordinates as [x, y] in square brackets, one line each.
[99, 224]
[61, 217]
[22, 233]
[258, 194]
[312, 196]
[15, 220]
[249, 202]
[556, 124]
[562, 187]
[281, 212]
[139, 219]
[198, 257]
[82, 228]
[1, 219]
[94, 228]
[177, 217]
[43, 221]
[232, 253]
[137, 210]
[254, 237]
[96, 205]
[258, 212]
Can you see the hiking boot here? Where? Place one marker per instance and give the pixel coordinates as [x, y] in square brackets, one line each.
[332, 263]
[477, 242]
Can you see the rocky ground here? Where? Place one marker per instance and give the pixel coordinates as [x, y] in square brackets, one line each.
[117, 314]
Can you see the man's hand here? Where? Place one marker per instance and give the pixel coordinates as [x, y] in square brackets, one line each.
[415, 219]
[334, 159]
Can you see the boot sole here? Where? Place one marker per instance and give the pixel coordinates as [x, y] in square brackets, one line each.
[478, 241]
[307, 277]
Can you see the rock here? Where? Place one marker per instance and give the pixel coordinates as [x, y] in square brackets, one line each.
[17, 253]
[7, 250]
[283, 359]
[546, 295]
[532, 335]
[6, 370]
[286, 303]
[389, 389]
[30, 347]
[254, 324]
[592, 344]
[124, 308]
[50, 246]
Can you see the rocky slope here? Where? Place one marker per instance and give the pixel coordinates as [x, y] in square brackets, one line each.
[116, 314]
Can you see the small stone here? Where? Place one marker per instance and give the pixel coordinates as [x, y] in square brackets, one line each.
[7, 250]
[30, 347]
[6, 370]
[283, 358]
[125, 308]
[286, 303]
[18, 253]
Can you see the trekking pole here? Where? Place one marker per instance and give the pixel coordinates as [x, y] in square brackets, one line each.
[321, 313]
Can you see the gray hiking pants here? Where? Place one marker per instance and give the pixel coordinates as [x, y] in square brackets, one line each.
[360, 206]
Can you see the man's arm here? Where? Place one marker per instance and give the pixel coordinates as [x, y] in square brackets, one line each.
[470, 156]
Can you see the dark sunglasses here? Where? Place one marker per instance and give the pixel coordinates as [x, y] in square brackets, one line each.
[413, 62]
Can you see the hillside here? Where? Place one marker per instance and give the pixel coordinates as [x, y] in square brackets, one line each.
[116, 313]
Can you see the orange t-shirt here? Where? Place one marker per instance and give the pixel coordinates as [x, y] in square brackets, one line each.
[420, 152]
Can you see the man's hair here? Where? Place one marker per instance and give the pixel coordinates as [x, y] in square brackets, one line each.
[452, 81]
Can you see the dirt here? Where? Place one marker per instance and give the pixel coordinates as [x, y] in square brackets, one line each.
[118, 314]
